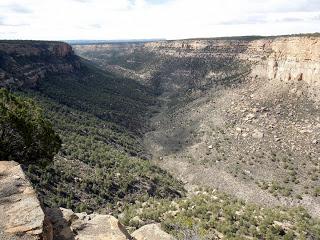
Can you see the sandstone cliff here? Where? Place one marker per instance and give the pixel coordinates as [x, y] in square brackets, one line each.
[21, 213]
[24, 63]
[201, 62]
[294, 61]
[281, 59]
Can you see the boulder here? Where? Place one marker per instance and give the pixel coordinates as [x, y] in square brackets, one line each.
[257, 134]
[61, 220]
[21, 214]
[99, 227]
[151, 232]
[68, 225]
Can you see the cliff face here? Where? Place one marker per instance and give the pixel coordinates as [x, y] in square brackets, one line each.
[184, 48]
[171, 66]
[26, 63]
[21, 212]
[184, 64]
[294, 61]
[288, 59]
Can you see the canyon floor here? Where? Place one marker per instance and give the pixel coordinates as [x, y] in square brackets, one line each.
[238, 115]
[241, 142]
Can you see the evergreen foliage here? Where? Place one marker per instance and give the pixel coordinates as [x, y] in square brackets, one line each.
[25, 135]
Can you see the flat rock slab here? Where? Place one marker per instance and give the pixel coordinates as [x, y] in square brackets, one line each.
[102, 227]
[21, 215]
[151, 232]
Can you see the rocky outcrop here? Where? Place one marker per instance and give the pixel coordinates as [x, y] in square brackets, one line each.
[80, 226]
[289, 60]
[25, 63]
[151, 232]
[21, 213]
[22, 217]
[68, 225]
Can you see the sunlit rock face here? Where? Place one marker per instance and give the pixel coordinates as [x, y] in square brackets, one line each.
[21, 213]
[290, 60]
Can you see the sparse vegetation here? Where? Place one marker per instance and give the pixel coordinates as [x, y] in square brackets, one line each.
[211, 214]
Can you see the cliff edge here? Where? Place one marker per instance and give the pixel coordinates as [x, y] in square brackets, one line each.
[23, 218]
[25, 63]
[21, 213]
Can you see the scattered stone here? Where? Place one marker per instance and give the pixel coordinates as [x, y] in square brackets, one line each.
[257, 134]
[238, 129]
[100, 227]
[306, 131]
[284, 225]
[61, 220]
[264, 109]
[299, 93]
[299, 77]
[276, 138]
[250, 116]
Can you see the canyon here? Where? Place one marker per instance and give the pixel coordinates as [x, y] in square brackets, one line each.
[237, 114]
[198, 135]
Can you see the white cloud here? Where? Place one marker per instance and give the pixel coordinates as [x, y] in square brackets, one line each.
[124, 19]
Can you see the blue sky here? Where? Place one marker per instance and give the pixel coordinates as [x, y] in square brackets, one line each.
[171, 19]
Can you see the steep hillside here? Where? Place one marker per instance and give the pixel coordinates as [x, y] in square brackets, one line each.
[100, 118]
[238, 114]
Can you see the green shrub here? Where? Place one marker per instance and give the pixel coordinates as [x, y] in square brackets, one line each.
[213, 214]
[25, 135]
